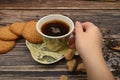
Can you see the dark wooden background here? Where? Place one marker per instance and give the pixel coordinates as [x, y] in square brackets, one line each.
[18, 63]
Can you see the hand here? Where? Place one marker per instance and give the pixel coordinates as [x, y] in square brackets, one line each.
[88, 39]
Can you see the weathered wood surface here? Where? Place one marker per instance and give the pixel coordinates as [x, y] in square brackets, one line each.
[103, 18]
[58, 4]
[18, 63]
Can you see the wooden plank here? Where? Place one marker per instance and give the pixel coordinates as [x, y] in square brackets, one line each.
[57, 4]
[41, 75]
[109, 19]
[38, 78]
[33, 68]
[18, 77]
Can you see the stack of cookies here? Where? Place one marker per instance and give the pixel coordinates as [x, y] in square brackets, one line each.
[9, 34]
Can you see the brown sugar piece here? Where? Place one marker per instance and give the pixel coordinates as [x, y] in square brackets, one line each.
[6, 46]
[71, 65]
[17, 28]
[63, 77]
[69, 54]
[30, 33]
[6, 34]
[80, 67]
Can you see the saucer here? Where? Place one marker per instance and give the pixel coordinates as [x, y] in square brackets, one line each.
[42, 55]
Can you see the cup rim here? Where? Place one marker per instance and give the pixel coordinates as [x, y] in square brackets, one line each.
[55, 37]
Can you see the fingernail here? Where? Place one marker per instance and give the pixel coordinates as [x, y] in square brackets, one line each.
[77, 22]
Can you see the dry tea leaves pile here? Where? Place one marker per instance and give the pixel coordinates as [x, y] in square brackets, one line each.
[111, 51]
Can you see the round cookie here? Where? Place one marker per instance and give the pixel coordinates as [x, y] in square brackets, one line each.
[6, 46]
[30, 33]
[6, 34]
[17, 28]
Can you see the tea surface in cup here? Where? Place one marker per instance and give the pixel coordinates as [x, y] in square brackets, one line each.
[55, 28]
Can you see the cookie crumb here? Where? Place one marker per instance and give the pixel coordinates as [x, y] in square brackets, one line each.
[63, 77]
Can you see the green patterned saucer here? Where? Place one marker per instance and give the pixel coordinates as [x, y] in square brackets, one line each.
[42, 55]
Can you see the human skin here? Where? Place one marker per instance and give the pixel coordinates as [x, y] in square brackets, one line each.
[88, 41]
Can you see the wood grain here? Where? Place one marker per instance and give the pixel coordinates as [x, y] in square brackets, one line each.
[18, 63]
[109, 19]
[58, 4]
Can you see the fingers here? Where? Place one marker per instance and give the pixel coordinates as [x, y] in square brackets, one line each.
[78, 27]
[72, 43]
[88, 26]
[78, 30]
[72, 46]
[83, 27]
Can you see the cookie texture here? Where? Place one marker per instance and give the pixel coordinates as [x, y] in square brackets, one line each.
[17, 28]
[6, 34]
[63, 77]
[6, 46]
[30, 33]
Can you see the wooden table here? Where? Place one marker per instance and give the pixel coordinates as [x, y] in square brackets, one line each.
[18, 63]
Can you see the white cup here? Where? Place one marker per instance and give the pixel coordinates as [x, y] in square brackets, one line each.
[55, 43]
